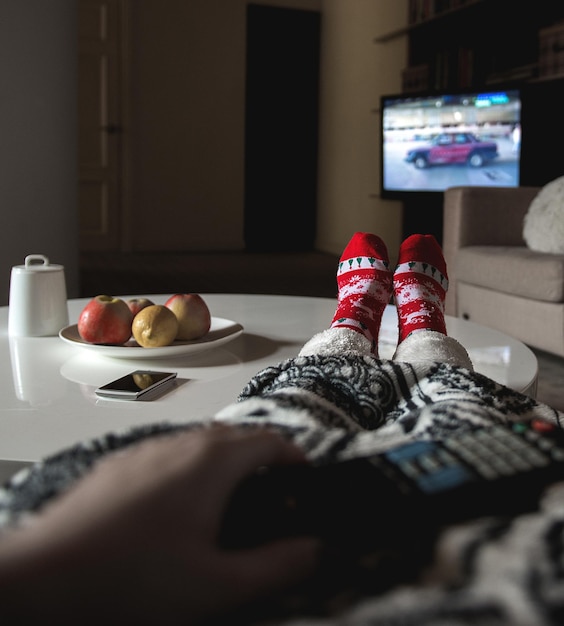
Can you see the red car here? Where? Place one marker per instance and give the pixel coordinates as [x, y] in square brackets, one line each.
[453, 148]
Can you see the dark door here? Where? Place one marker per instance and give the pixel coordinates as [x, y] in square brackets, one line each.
[281, 128]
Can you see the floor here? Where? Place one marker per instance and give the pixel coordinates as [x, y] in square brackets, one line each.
[303, 274]
[551, 379]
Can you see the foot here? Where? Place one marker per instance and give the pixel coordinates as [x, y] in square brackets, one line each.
[364, 280]
[420, 286]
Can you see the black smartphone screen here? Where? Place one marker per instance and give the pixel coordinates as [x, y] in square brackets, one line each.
[135, 384]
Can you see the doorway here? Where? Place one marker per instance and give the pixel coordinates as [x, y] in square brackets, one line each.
[281, 128]
[100, 138]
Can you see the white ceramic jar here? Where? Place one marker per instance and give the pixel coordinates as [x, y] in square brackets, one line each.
[38, 298]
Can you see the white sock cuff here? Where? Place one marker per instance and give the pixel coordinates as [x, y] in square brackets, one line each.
[430, 345]
[339, 340]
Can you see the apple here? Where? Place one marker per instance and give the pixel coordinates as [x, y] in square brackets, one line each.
[136, 304]
[105, 320]
[193, 314]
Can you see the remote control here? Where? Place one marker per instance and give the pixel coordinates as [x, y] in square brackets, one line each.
[374, 501]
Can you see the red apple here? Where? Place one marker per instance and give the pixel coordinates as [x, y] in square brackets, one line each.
[107, 320]
[137, 304]
[193, 314]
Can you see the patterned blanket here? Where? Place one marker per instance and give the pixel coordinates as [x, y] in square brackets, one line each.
[488, 571]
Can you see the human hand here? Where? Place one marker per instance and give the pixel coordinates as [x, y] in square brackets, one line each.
[137, 538]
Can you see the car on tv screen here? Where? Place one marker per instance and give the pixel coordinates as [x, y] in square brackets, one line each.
[456, 147]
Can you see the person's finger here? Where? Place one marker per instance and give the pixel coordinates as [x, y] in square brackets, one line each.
[239, 453]
[272, 567]
[259, 447]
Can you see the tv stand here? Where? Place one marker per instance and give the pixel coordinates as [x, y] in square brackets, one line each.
[424, 214]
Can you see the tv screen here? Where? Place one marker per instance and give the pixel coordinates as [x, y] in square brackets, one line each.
[432, 142]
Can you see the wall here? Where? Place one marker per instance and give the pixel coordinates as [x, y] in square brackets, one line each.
[355, 71]
[38, 130]
[187, 121]
[38, 124]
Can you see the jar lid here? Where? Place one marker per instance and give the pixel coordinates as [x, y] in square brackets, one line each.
[37, 263]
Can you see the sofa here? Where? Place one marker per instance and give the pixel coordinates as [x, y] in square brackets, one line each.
[495, 277]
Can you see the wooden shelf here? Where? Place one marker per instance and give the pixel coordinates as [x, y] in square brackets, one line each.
[390, 36]
[467, 44]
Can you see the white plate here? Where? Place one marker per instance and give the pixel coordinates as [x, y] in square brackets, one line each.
[221, 331]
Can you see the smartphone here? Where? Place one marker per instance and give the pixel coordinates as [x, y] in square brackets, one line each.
[136, 384]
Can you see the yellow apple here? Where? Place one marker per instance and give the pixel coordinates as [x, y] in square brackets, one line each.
[193, 314]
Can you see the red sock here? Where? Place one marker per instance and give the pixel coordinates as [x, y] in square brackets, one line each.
[420, 286]
[365, 286]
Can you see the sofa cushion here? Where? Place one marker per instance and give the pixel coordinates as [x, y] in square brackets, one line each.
[543, 225]
[513, 269]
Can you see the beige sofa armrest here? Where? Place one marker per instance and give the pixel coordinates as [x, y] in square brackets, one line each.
[474, 216]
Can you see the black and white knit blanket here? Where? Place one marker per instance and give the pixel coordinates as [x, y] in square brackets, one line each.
[489, 571]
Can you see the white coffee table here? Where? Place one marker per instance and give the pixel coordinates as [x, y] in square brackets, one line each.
[47, 386]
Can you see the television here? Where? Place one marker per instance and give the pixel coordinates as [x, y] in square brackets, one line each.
[433, 141]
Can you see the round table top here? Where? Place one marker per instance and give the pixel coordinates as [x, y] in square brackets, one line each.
[47, 384]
